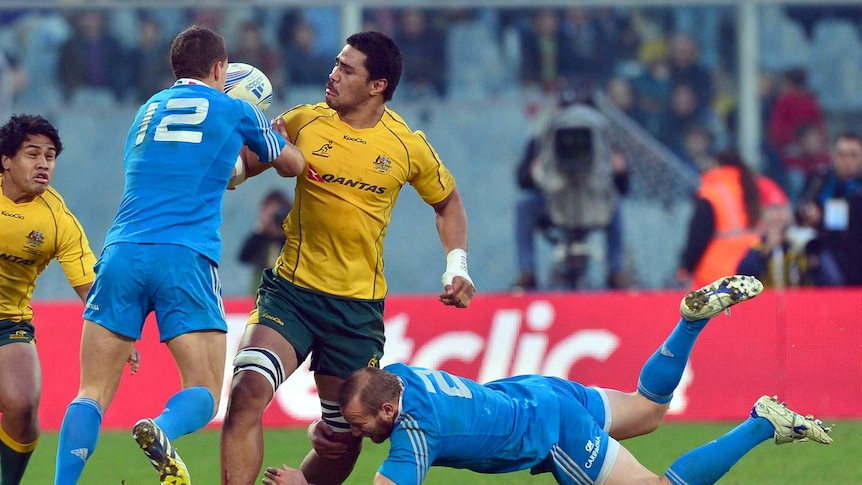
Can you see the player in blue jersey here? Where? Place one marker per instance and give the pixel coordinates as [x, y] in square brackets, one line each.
[549, 424]
[162, 252]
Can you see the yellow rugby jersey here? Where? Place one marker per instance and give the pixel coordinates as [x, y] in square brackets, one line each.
[343, 201]
[31, 235]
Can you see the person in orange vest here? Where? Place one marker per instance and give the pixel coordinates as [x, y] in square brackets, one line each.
[724, 224]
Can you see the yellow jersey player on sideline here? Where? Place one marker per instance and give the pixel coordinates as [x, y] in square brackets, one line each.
[325, 295]
[35, 228]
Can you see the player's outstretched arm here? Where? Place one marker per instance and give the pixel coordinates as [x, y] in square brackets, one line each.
[290, 161]
[458, 288]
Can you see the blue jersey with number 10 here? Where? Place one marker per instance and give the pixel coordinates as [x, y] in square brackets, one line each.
[179, 156]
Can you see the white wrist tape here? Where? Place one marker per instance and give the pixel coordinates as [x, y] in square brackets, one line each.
[456, 265]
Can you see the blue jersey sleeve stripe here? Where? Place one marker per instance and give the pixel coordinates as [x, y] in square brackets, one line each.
[269, 136]
[420, 447]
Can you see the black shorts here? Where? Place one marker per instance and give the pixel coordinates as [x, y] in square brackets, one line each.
[12, 332]
[341, 334]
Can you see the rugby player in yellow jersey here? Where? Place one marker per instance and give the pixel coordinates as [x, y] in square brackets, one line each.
[35, 228]
[325, 295]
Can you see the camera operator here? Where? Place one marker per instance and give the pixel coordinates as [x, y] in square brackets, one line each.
[571, 181]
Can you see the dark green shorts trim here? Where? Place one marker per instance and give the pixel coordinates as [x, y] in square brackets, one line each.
[13, 332]
[341, 334]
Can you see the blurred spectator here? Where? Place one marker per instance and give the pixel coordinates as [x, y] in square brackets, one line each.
[723, 227]
[423, 48]
[302, 64]
[785, 256]
[544, 49]
[261, 248]
[686, 68]
[832, 204]
[590, 64]
[621, 39]
[795, 106]
[92, 58]
[252, 49]
[806, 156]
[325, 22]
[704, 25]
[12, 79]
[682, 116]
[290, 17]
[209, 17]
[621, 94]
[653, 87]
[151, 69]
[698, 148]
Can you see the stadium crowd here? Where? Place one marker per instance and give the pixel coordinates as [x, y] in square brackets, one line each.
[675, 68]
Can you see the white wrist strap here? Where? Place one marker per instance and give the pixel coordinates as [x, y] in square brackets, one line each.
[456, 265]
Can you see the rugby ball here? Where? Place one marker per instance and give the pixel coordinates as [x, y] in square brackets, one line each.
[239, 174]
[246, 82]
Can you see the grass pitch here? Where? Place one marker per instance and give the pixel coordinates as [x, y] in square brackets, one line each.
[118, 461]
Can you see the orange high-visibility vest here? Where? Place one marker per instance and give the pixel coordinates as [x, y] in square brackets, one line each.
[722, 188]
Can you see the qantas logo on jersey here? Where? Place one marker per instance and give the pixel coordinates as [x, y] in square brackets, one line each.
[323, 151]
[17, 259]
[12, 214]
[313, 175]
[316, 176]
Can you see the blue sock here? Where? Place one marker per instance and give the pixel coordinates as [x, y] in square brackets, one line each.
[186, 412]
[79, 434]
[663, 370]
[708, 463]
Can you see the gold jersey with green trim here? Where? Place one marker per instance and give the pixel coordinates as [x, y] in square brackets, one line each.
[31, 235]
[344, 199]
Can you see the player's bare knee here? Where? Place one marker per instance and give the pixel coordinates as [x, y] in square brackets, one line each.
[24, 408]
[653, 416]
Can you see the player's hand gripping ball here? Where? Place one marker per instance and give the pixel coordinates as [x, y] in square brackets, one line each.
[250, 84]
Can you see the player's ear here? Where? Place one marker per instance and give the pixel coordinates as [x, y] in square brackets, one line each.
[378, 86]
[219, 70]
[388, 410]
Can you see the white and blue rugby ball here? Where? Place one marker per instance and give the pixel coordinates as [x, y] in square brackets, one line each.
[246, 82]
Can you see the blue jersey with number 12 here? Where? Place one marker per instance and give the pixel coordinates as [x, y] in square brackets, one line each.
[179, 156]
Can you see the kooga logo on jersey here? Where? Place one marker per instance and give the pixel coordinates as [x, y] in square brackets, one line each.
[355, 139]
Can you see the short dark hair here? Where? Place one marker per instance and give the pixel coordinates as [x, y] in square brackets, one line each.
[195, 50]
[19, 127]
[372, 386]
[383, 58]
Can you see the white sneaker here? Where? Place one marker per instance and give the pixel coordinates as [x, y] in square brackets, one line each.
[719, 296]
[789, 425]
